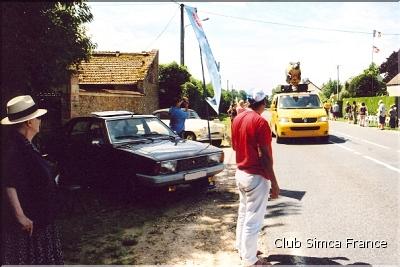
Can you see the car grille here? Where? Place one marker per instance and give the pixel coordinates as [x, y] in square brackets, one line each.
[304, 128]
[304, 120]
[192, 163]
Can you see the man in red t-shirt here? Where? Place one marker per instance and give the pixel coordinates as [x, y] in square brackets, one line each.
[255, 177]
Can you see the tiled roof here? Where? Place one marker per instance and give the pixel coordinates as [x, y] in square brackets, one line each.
[115, 67]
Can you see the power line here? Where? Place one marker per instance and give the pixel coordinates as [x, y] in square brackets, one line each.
[165, 28]
[293, 25]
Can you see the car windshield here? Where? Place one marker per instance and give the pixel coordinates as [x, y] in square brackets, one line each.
[125, 130]
[299, 101]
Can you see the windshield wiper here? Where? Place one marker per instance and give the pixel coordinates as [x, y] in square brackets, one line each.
[126, 136]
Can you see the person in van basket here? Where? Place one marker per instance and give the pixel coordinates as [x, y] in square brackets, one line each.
[363, 114]
[29, 233]
[381, 115]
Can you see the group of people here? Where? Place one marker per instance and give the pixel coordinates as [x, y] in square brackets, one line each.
[237, 108]
[29, 234]
[358, 114]
[354, 112]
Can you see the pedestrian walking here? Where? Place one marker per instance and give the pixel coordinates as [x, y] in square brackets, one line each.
[354, 112]
[255, 177]
[363, 114]
[29, 234]
[179, 116]
[393, 120]
[327, 107]
[348, 112]
[381, 114]
[335, 110]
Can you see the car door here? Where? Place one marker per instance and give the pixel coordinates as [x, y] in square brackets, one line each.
[74, 162]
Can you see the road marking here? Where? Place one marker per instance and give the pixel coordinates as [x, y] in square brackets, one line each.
[383, 164]
[390, 167]
[366, 141]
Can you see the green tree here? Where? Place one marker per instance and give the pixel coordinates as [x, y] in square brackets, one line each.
[41, 42]
[390, 67]
[171, 79]
[330, 88]
[367, 84]
[275, 90]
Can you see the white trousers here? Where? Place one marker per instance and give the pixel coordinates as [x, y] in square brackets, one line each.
[254, 192]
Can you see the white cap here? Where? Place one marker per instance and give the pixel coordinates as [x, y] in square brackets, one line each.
[256, 96]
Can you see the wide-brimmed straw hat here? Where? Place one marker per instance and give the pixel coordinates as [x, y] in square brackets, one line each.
[20, 109]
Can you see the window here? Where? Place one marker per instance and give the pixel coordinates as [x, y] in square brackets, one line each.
[163, 115]
[80, 131]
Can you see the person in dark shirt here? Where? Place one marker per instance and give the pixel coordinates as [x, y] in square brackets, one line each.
[29, 234]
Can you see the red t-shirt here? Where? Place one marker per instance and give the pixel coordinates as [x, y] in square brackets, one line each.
[249, 132]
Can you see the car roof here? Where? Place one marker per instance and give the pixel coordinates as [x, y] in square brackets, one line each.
[297, 93]
[110, 115]
[166, 110]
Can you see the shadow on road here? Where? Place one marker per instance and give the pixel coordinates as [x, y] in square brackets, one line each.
[298, 195]
[283, 259]
[283, 209]
[313, 141]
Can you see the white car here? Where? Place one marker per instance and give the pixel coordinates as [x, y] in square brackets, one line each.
[197, 128]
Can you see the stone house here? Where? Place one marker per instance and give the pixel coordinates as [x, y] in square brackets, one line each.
[113, 81]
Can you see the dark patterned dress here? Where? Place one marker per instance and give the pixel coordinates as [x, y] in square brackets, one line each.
[24, 169]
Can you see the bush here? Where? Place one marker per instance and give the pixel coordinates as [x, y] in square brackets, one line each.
[371, 102]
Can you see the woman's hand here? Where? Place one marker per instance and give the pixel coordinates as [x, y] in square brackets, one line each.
[26, 223]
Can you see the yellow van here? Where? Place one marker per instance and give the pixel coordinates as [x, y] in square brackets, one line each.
[298, 114]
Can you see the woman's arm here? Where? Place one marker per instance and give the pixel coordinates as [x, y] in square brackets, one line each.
[25, 222]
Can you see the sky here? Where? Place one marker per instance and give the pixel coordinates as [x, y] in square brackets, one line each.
[255, 41]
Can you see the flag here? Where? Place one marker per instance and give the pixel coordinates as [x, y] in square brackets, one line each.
[375, 33]
[207, 54]
[375, 49]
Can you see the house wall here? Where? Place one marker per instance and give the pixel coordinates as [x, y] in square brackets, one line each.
[84, 102]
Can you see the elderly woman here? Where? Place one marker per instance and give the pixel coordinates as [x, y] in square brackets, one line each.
[29, 235]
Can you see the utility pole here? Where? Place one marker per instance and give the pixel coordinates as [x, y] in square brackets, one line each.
[182, 36]
[337, 84]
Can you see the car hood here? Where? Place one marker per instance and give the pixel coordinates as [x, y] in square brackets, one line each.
[302, 113]
[166, 149]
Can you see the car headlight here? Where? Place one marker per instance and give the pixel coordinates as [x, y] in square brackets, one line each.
[283, 120]
[216, 158]
[323, 118]
[168, 166]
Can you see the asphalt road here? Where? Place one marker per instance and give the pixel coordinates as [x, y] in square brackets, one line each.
[337, 200]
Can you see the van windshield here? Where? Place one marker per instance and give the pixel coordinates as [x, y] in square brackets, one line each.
[299, 101]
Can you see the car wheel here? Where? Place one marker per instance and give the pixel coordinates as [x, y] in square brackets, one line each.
[279, 140]
[216, 142]
[190, 136]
